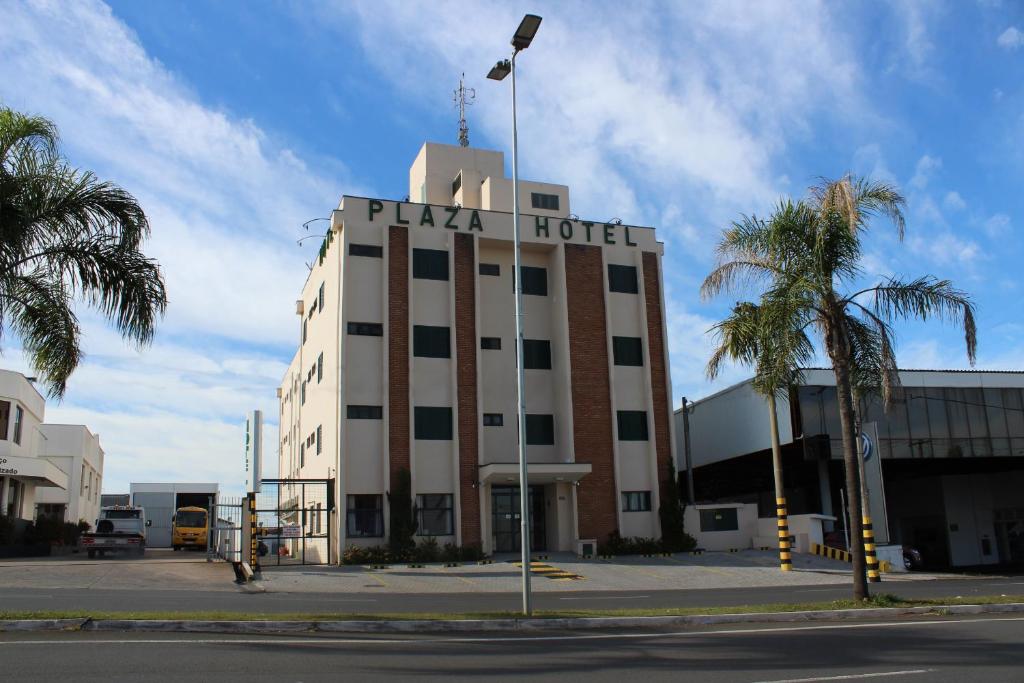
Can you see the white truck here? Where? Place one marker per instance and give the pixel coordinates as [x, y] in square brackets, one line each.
[119, 529]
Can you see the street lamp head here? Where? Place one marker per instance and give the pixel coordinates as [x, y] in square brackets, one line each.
[526, 31]
[500, 70]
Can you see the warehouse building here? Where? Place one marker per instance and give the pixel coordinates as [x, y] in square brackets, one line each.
[160, 501]
[406, 363]
[945, 464]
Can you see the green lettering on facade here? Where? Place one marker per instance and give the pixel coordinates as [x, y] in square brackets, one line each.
[375, 207]
[428, 216]
[609, 237]
[628, 242]
[453, 211]
[588, 226]
[565, 230]
[398, 215]
[541, 226]
[474, 221]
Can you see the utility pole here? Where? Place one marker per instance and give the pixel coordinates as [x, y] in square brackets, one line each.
[687, 454]
[463, 98]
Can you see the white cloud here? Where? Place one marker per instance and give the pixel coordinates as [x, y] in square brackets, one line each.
[923, 171]
[954, 202]
[997, 225]
[1010, 39]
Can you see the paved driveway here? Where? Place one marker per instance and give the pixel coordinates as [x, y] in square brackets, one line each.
[745, 569]
[159, 569]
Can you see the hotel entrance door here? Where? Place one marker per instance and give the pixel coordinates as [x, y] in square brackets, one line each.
[505, 520]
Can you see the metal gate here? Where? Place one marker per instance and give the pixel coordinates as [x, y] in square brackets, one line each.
[293, 521]
[226, 529]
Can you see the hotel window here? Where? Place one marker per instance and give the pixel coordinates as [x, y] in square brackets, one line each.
[632, 425]
[432, 424]
[364, 516]
[490, 269]
[535, 280]
[366, 329]
[320, 298]
[628, 350]
[371, 250]
[434, 512]
[540, 430]
[5, 417]
[622, 279]
[457, 184]
[320, 368]
[429, 341]
[305, 330]
[19, 414]
[636, 501]
[536, 354]
[302, 395]
[430, 264]
[719, 519]
[494, 420]
[319, 439]
[302, 455]
[490, 343]
[549, 202]
[365, 412]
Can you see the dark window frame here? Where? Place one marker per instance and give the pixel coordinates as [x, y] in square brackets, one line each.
[628, 351]
[535, 280]
[545, 201]
[365, 329]
[446, 508]
[536, 354]
[432, 423]
[540, 429]
[488, 343]
[494, 420]
[427, 264]
[364, 521]
[623, 279]
[490, 269]
[636, 501]
[364, 412]
[320, 368]
[367, 250]
[632, 425]
[719, 519]
[431, 341]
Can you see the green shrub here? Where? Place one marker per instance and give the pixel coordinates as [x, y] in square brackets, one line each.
[450, 553]
[471, 553]
[354, 555]
[6, 530]
[426, 550]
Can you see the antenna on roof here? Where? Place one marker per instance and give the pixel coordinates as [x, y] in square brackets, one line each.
[463, 98]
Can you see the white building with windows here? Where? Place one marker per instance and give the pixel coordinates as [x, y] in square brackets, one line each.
[406, 364]
[23, 471]
[77, 451]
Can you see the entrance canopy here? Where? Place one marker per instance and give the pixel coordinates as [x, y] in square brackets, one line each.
[537, 473]
[39, 471]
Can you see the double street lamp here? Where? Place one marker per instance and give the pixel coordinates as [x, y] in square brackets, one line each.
[520, 41]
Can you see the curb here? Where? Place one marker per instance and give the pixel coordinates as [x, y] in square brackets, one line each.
[491, 625]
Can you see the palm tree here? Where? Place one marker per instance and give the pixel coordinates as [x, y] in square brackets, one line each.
[805, 260]
[777, 360]
[66, 235]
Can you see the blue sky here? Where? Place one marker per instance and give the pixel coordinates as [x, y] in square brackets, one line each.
[234, 123]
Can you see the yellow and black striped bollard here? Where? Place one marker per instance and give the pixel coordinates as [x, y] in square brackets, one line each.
[785, 559]
[870, 558]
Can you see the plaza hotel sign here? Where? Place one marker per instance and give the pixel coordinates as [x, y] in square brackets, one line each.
[472, 220]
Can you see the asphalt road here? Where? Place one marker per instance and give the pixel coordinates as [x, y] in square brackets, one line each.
[933, 650]
[96, 599]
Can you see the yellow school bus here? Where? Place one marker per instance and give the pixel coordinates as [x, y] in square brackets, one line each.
[188, 528]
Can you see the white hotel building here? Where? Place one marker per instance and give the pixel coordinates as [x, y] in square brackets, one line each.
[406, 361]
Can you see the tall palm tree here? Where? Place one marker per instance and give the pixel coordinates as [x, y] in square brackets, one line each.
[805, 260]
[65, 235]
[777, 360]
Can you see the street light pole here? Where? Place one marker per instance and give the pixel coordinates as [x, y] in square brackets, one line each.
[520, 41]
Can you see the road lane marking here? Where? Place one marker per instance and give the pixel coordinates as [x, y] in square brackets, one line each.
[498, 639]
[853, 677]
[613, 597]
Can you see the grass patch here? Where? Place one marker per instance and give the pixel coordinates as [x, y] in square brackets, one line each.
[883, 600]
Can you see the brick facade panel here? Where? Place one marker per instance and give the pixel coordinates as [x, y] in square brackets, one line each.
[398, 350]
[591, 390]
[659, 373]
[466, 379]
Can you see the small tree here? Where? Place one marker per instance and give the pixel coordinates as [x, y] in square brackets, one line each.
[403, 516]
